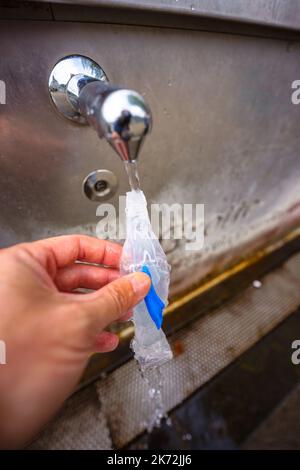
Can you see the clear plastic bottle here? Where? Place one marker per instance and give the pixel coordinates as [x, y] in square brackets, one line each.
[142, 248]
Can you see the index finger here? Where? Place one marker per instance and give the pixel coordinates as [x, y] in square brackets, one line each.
[64, 250]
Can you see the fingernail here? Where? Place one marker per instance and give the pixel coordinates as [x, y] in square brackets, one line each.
[140, 283]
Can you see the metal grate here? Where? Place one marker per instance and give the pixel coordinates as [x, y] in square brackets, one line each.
[207, 346]
[80, 425]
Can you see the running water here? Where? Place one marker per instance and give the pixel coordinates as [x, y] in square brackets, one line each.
[133, 176]
[151, 375]
[153, 379]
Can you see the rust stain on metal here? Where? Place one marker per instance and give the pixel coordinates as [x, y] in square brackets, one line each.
[177, 348]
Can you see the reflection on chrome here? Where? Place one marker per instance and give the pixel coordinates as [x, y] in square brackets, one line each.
[80, 90]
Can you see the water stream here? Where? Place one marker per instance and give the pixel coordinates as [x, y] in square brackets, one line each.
[153, 378]
[151, 375]
[133, 176]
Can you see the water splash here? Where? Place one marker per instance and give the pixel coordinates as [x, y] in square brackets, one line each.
[153, 378]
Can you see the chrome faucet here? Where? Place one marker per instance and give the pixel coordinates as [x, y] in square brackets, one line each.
[81, 91]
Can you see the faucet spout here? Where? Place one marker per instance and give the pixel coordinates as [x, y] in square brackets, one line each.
[119, 115]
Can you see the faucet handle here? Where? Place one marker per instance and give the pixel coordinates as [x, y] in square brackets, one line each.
[63, 87]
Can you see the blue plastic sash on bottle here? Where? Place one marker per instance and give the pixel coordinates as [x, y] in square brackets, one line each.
[154, 304]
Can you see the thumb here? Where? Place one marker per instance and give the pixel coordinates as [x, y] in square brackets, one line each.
[115, 299]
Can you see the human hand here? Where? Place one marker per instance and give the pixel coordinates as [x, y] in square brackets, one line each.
[49, 330]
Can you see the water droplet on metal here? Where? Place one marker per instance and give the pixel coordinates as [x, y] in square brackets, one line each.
[257, 284]
[166, 113]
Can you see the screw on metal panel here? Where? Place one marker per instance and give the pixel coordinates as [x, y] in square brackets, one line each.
[100, 185]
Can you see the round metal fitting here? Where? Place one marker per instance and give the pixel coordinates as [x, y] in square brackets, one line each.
[66, 76]
[100, 185]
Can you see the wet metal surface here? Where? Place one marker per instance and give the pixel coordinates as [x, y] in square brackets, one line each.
[202, 350]
[281, 430]
[223, 413]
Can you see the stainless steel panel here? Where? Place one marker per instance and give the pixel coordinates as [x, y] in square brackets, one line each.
[225, 134]
[283, 13]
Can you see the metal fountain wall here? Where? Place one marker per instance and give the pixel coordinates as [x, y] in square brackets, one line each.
[225, 133]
